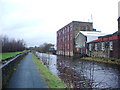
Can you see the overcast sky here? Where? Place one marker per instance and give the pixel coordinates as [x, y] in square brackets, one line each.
[36, 21]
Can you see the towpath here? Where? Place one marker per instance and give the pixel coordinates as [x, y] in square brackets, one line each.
[27, 75]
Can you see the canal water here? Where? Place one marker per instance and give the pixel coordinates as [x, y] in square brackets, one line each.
[79, 73]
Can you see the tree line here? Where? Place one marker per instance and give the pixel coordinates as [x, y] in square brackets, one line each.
[44, 48]
[11, 45]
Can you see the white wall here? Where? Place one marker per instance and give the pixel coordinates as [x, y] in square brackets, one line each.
[80, 41]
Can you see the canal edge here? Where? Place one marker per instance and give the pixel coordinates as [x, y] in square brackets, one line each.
[56, 81]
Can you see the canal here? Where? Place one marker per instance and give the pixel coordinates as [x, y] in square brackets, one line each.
[78, 73]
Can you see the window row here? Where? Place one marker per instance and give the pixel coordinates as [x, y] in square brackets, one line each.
[65, 47]
[64, 31]
[64, 40]
[101, 46]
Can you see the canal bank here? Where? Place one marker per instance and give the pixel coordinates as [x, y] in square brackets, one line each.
[79, 73]
[52, 80]
[103, 60]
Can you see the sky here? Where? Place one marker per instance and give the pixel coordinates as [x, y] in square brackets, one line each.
[37, 21]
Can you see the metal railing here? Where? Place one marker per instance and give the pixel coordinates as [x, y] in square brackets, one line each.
[8, 66]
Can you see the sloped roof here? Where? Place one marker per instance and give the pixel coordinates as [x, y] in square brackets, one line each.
[91, 35]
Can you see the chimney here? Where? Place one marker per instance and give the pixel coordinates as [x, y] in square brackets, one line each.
[119, 16]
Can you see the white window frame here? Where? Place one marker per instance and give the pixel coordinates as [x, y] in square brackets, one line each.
[96, 46]
[103, 46]
[84, 44]
[90, 47]
[111, 45]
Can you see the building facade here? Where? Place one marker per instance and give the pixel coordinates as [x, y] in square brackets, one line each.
[66, 37]
[106, 46]
[83, 38]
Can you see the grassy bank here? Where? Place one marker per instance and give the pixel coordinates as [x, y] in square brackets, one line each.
[103, 60]
[8, 55]
[52, 80]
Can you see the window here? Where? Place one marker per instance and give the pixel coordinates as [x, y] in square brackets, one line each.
[63, 31]
[84, 44]
[83, 28]
[63, 39]
[70, 28]
[90, 47]
[103, 46]
[68, 46]
[87, 27]
[71, 38]
[68, 37]
[96, 46]
[71, 48]
[111, 45]
[58, 34]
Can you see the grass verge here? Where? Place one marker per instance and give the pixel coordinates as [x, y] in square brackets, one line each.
[52, 80]
[8, 55]
[104, 60]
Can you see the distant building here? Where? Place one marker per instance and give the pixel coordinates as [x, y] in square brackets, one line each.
[82, 38]
[66, 36]
[52, 49]
[106, 46]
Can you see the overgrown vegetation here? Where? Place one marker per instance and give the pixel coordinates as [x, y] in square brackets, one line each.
[104, 60]
[52, 80]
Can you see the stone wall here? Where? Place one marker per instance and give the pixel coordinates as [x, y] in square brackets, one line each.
[105, 53]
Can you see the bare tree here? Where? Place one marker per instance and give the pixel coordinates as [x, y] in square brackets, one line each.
[43, 47]
[11, 45]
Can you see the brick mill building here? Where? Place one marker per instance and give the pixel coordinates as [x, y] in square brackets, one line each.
[66, 36]
[106, 46]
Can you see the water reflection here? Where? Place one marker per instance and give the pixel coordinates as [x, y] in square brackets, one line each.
[50, 61]
[82, 73]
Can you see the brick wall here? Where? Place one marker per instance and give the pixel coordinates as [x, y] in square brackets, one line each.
[66, 36]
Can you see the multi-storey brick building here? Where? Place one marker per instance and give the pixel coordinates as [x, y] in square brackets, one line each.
[66, 36]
